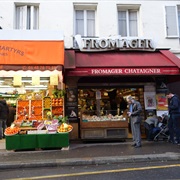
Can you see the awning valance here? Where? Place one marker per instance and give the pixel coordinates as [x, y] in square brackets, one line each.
[31, 47]
[122, 63]
[32, 52]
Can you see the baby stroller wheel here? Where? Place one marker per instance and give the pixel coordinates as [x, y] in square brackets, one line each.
[156, 139]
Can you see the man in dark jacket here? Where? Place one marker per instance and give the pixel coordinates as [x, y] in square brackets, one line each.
[4, 113]
[174, 119]
[12, 113]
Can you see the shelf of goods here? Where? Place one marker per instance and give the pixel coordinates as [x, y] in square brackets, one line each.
[57, 106]
[104, 127]
[29, 109]
[39, 109]
[54, 106]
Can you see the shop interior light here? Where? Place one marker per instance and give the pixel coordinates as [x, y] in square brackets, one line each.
[35, 87]
[24, 79]
[6, 86]
[31, 81]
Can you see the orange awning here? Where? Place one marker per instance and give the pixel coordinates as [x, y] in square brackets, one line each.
[30, 52]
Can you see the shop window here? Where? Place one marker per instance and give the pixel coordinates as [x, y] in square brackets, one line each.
[27, 17]
[111, 102]
[85, 20]
[172, 21]
[128, 22]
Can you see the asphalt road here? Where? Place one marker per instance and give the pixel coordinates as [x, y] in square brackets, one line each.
[135, 171]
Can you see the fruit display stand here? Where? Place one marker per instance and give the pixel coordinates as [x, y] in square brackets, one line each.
[31, 113]
[47, 134]
[34, 141]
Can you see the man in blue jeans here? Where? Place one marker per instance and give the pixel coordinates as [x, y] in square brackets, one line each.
[174, 119]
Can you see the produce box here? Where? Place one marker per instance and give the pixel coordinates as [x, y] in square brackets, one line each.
[32, 132]
[41, 131]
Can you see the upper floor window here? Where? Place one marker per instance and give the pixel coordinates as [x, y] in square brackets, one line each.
[172, 21]
[27, 17]
[85, 19]
[127, 23]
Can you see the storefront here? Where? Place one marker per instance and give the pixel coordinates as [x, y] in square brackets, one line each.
[31, 80]
[102, 73]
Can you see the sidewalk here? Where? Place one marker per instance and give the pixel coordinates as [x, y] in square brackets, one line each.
[80, 153]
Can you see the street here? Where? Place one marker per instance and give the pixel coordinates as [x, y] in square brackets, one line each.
[135, 171]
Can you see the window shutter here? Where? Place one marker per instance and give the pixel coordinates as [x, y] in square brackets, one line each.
[90, 23]
[179, 19]
[133, 31]
[171, 21]
[36, 18]
[31, 17]
[80, 22]
[122, 21]
[23, 17]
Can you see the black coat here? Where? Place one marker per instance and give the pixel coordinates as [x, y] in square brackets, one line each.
[174, 105]
[4, 110]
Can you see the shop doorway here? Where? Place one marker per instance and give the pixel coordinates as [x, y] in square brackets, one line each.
[100, 96]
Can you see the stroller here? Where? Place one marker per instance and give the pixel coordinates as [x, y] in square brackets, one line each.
[162, 130]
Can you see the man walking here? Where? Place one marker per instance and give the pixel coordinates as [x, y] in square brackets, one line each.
[135, 110]
[174, 119]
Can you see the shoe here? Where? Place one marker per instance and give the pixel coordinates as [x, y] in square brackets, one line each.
[133, 144]
[175, 142]
[137, 146]
[170, 141]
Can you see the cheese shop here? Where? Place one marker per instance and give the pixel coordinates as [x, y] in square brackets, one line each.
[103, 72]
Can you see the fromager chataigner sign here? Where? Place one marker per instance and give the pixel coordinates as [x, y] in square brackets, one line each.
[112, 43]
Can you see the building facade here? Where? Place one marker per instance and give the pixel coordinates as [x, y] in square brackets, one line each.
[112, 49]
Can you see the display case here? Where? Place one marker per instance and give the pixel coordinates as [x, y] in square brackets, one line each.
[106, 126]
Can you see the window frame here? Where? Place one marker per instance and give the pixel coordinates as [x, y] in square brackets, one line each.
[31, 10]
[85, 8]
[177, 23]
[178, 19]
[128, 9]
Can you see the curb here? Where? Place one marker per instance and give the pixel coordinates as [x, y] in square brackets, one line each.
[92, 161]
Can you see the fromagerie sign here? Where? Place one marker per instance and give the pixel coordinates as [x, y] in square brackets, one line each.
[112, 43]
[122, 71]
